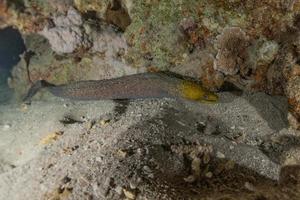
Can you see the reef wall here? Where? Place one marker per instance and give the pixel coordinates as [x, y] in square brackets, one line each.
[254, 44]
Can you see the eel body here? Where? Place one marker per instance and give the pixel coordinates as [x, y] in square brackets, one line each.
[137, 86]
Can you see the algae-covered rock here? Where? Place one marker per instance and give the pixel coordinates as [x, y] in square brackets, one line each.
[155, 25]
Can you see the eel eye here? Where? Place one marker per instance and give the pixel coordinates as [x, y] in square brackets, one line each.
[205, 97]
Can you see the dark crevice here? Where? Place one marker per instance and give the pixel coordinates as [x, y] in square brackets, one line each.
[117, 15]
[11, 46]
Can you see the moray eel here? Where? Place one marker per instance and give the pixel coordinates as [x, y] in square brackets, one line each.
[137, 86]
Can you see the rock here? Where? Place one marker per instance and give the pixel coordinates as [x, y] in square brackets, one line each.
[293, 94]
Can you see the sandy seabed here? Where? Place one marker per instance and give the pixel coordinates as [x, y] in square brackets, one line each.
[149, 149]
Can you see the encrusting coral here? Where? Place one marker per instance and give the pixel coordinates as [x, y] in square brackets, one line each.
[66, 34]
[232, 51]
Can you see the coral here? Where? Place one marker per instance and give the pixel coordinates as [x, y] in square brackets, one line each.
[232, 51]
[190, 29]
[66, 35]
[267, 52]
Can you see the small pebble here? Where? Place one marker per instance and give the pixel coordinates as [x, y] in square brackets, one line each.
[151, 176]
[147, 169]
[220, 155]
[119, 190]
[202, 123]
[121, 153]
[249, 186]
[90, 124]
[5, 127]
[24, 107]
[190, 179]
[129, 194]
[209, 174]
[133, 185]
[104, 122]
[66, 105]
[139, 151]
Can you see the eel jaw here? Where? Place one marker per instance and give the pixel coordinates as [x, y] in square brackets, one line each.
[209, 98]
[193, 91]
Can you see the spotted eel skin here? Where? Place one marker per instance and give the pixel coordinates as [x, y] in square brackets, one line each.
[137, 86]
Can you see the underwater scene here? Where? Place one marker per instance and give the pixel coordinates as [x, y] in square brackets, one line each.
[149, 99]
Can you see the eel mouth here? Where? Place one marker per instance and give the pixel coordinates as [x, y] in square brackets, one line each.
[210, 98]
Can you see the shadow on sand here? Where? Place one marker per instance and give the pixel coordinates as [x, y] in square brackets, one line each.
[169, 141]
